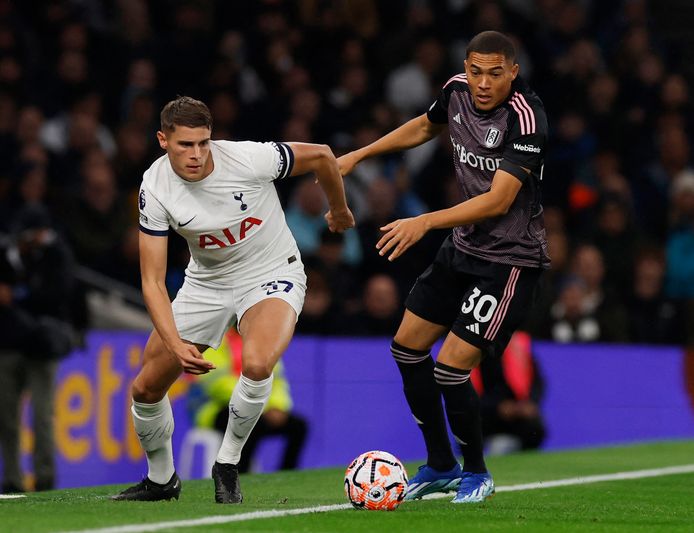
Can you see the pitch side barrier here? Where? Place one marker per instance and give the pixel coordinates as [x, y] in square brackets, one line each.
[350, 392]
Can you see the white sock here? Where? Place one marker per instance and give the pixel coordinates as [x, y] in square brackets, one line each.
[245, 407]
[154, 425]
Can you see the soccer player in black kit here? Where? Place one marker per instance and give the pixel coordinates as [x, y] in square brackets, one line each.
[481, 283]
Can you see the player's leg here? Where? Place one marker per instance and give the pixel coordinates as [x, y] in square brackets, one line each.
[493, 307]
[266, 329]
[411, 350]
[432, 305]
[455, 361]
[154, 423]
[248, 451]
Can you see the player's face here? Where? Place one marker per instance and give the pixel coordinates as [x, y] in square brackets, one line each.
[489, 77]
[189, 151]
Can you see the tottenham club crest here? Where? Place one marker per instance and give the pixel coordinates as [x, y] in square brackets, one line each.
[491, 140]
[142, 199]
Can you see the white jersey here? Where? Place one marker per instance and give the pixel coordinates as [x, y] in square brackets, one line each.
[232, 219]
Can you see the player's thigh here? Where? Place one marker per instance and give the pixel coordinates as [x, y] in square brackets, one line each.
[266, 328]
[203, 313]
[417, 333]
[434, 301]
[459, 353]
[267, 314]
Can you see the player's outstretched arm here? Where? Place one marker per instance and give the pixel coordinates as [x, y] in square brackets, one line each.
[399, 235]
[413, 133]
[319, 159]
[153, 269]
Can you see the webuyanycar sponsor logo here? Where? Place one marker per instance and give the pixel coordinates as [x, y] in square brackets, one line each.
[527, 148]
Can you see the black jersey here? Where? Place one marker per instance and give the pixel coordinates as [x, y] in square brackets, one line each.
[511, 137]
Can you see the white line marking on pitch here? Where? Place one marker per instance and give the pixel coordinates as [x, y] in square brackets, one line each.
[11, 496]
[225, 519]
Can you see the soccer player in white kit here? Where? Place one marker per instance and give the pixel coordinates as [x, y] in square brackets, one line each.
[245, 268]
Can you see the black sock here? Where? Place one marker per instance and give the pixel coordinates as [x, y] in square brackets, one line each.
[424, 398]
[463, 411]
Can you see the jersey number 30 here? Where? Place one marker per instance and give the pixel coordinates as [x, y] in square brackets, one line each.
[481, 305]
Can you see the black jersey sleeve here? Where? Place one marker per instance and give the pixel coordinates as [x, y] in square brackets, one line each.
[526, 140]
[438, 112]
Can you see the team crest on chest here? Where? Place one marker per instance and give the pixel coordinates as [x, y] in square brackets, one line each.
[239, 198]
[492, 138]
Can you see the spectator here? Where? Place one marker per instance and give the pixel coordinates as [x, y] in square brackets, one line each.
[417, 76]
[96, 222]
[305, 220]
[322, 314]
[72, 77]
[600, 299]
[380, 313]
[617, 240]
[653, 317]
[569, 319]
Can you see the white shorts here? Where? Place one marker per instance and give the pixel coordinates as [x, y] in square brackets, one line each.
[203, 312]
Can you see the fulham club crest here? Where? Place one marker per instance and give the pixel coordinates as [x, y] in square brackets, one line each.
[492, 138]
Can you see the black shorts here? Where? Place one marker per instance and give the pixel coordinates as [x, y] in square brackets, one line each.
[481, 302]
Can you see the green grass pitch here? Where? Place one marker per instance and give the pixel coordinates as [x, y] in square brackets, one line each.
[664, 503]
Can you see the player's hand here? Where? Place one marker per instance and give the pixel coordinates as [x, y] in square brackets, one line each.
[339, 221]
[400, 235]
[347, 163]
[191, 359]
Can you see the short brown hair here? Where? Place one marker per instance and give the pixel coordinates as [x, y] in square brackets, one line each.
[492, 42]
[185, 111]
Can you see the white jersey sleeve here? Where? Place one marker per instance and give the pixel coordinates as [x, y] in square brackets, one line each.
[270, 160]
[154, 219]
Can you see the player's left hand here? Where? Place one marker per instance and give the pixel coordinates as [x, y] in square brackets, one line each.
[339, 221]
[400, 235]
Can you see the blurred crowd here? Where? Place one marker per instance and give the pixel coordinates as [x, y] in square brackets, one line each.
[82, 84]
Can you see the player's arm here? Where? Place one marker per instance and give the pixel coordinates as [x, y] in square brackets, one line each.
[319, 159]
[401, 234]
[413, 133]
[153, 250]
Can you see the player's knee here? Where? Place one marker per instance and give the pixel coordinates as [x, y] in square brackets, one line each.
[144, 394]
[257, 370]
[403, 354]
[449, 375]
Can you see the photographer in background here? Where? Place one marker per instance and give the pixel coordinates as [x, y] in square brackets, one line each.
[36, 289]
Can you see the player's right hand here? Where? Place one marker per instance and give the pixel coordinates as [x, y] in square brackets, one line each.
[339, 221]
[191, 359]
[347, 163]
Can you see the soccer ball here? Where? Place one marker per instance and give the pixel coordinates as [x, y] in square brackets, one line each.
[376, 480]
